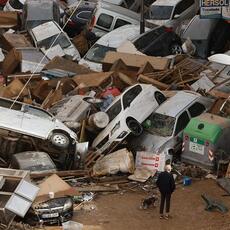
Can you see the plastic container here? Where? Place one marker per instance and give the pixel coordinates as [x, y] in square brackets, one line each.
[187, 181]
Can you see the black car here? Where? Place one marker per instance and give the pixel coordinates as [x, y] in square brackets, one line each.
[53, 211]
[160, 41]
[80, 17]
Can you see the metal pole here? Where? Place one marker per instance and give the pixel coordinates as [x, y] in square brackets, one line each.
[142, 21]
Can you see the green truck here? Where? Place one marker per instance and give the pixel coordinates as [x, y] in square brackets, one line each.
[206, 140]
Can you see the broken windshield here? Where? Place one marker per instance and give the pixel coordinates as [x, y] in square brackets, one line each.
[161, 12]
[98, 52]
[161, 124]
[61, 40]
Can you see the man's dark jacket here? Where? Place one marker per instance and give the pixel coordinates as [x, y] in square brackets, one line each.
[165, 182]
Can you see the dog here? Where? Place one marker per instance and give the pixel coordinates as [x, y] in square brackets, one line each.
[148, 202]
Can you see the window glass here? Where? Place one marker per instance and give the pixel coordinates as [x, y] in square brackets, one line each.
[196, 109]
[130, 95]
[114, 110]
[182, 6]
[182, 122]
[7, 104]
[120, 23]
[129, 3]
[61, 40]
[16, 4]
[160, 98]
[148, 37]
[161, 12]
[161, 124]
[97, 53]
[105, 21]
[85, 15]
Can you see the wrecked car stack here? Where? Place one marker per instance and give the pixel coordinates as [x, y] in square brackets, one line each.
[67, 120]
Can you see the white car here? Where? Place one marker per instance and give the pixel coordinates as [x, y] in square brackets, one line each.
[172, 13]
[109, 42]
[35, 122]
[50, 33]
[126, 114]
[163, 133]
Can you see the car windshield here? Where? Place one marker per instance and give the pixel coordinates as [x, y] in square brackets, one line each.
[114, 110]
[37, 112]
[98, 52]
[161, 12]
[161, 124]
[61, 40]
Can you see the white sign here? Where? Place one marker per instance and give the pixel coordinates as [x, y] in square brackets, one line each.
[150, 161]
[215, 9]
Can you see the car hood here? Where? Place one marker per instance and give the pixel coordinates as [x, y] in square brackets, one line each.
[151, 142]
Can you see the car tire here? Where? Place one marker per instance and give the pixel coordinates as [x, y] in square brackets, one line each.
[60, 140]
[175, 48]
[135, 127]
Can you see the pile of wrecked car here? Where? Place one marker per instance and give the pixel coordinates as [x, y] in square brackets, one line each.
[83, 94]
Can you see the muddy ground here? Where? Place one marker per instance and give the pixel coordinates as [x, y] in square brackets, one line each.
[121, 211]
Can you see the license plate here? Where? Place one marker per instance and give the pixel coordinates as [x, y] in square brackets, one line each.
[50, 215]
[196, 148]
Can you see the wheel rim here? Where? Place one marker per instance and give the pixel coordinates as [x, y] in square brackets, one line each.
[59, 139]
[176, 49]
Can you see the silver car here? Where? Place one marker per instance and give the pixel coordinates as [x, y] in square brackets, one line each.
[35, 122]
[164, 128]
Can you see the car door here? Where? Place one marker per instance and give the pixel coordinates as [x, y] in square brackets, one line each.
[10, 115]
[182, 121]
[36, 122]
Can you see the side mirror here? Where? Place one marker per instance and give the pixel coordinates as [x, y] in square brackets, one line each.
[176, 16]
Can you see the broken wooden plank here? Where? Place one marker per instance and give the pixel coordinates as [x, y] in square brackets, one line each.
[136, 61]
[144, 79]
[75, 173]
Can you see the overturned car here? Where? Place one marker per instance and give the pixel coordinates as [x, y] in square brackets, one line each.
[126, 114]
[34, 122]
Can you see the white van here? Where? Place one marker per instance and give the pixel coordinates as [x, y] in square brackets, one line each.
[172, 12]
[109, 17]
[109, 42]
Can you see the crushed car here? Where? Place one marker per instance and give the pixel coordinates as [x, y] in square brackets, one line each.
[35, 122]
[34, 161]
[126, 114]
[164, 128]
[36, 12]
[52, 211]
[51, 34]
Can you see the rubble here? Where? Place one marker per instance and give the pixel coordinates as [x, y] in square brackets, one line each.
[68, 133]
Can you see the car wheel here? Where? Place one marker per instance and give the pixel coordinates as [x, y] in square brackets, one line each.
[135, 127]
[175, 48]
[60, 140]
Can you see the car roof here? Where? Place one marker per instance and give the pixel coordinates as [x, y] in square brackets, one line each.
[143, 86]
[40, 32]
[119, 10]
[177, 103]
[166, 2]
[116, 37]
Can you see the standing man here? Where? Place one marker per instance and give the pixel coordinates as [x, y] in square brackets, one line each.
[166, 185]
